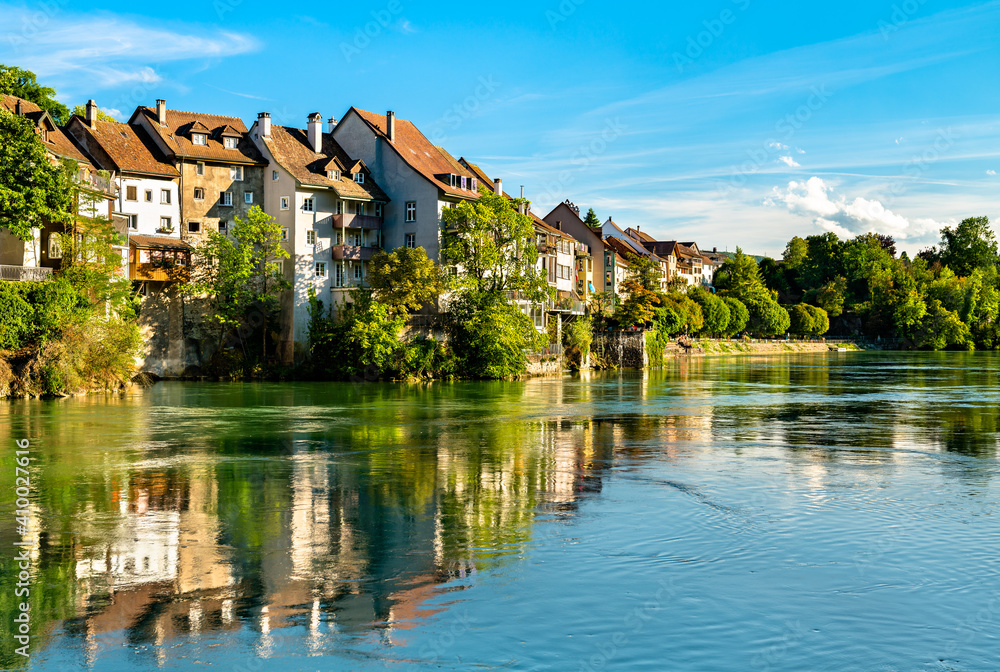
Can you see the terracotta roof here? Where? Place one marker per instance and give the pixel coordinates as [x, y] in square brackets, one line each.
[128, 148]
[641, 236]
[57, 141]
[158, 242]
[417, 151]
[291, 149]
[179, 124]
[618, 247]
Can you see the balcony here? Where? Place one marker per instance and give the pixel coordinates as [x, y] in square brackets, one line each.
[25, 273]
[582, 250]
[158, 272]
[94, 182]
[368, 222]
[352, 252]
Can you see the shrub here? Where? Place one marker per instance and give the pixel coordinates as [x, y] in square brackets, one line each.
[739, 316]
[490, 336]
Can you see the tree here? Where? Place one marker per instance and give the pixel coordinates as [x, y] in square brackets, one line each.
[490, 336]
[361, 340]
[739, 316]
[642, 290]
[492, 246]
[968, 246]
[241, 276]
[404, 279]
[591, 219]
[795, 252]
[767, 318]
[715, 311]
[806, 320]
[24, 84]
[33, 190]
[739, 277]
[829, 297]
[823, 262]
[81, 111]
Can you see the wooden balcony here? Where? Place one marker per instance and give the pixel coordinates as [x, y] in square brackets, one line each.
[352, 252]
[369, 222]
[158, 259]
[158, 272]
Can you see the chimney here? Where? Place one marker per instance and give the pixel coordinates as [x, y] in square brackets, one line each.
[714, 250]
[18, 108]
[91, 112]
[498, 187]
[316, 131]
[390, 125]
[331, 124]
[264, 124]
[161, 111]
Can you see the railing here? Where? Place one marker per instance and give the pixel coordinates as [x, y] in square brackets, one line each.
[25, 273]
[95, 182]
[352, 252]
[369, 222]
[582, 249]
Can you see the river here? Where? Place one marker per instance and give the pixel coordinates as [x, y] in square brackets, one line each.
[805, 512]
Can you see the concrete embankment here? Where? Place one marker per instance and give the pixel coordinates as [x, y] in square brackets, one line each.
[710, 347]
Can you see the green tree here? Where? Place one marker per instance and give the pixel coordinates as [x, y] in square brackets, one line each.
[405, 279]
[591, 219]
[81, 111]
[739, 277]
[24, 84]
[767, 318]
[33, 190]
[490, 336]
[739, 316]
[823, 262]
[642, 292]
[715, 311]
[968, 246]
[829, 297]
[795, 253]
[360, 341]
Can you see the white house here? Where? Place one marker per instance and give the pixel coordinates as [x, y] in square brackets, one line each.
[330, 210]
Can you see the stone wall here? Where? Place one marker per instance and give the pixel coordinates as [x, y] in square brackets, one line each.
[620, 349]
[171, 332]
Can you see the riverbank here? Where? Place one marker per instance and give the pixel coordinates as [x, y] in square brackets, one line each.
[715, 348]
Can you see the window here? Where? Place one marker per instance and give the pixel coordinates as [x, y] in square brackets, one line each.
[194, 227]
[131, 194]
[308, 205]
[133, 221]
[55, 246]
[464, 184]
[164, 196]
[248, 197]
[200, 168]
[340, 208]
[359, 177]
[475, 184]
[199, 194]
[378, 209]
[223, 226]
[149, 195]
[236, 173]
[310, 237]
[165, 224]
[284, 202]
[226, 198]
[320, 270]
[411, 211]
[411, 240]
[357, 272]
[199, 139]
[182, 259]
[230, 143]
[339, 282]
[284, 233]
[274, 176]
[358, 207]
[340, 237]
[333, 175]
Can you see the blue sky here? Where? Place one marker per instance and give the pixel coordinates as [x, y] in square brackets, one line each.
[732, 122]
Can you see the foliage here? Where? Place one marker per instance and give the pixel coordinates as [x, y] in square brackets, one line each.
[490, 336]
[739, 277]
[35, 312]
[33, 190]
[767, 318]
[591, 219]
[806, 320]
[405, 279]
[24, 84]
[715, 311]
[81, 111]
[360, 341]
[669, 320]
[642, 292]
[739, 316]
[968, 246]
[577, 337]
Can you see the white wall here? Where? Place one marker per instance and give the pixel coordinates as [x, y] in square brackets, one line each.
[149, 213]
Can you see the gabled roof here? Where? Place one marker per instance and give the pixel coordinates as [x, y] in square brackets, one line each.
[418, 152]
[548, 228]
[56, 141]
[641, 236]
[610, 231]
[179, 124]
[129, 149]
[291, 149]
[620, 248]
[228, 131]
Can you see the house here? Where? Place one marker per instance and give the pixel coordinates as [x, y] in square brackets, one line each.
[93, 196]
[221, 170]
[683, 260]
[331, 211]
[629, 246]
[566, 218]
[616, 265]
[419, 179]
[148, 199]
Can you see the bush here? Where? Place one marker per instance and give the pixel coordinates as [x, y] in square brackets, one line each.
[767, 318]
[18, 314]
[577, 337]
[360, 341]
[739, 316]
[490, 337]
[715, 311]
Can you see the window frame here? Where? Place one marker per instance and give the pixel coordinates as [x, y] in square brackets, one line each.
[310, 236]
[199, 139]
[410, 240]
[410, 212]
[194, 227]
[319, 270]
[230, 142]
[169, 223]
[248, 197]
[199, 168]
[195, 193]
[236, 173]
[226, 199]
[283, 204]
[308, 204]
[165, 197]
[134, 191]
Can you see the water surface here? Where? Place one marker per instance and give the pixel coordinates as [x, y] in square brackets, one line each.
[808, 512]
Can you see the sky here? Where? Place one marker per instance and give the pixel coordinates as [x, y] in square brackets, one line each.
[731, 122]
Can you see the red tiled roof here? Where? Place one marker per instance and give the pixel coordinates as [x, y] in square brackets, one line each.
[179, 124]
[129, 148]
[291, 150]
[419, 153]
[158, 242]
[57, 141]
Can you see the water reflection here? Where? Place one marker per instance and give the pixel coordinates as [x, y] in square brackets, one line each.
[353, 513]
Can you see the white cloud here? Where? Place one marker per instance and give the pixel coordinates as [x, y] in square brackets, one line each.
[779, 146]
[832, 212]
[899, 140]
[789, 161]
[103, 49]
[991, 173]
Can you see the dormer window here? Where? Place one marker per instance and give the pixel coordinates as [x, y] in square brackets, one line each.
[199, 139]
[230, 143]
[475, 184]
[333, 175]
[464, 183]
[359, 177]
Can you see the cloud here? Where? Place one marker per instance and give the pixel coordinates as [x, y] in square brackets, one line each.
[814, 198]
[991, 173]
[778, 146]
[789, 161]
[104, 49]
[899, 140]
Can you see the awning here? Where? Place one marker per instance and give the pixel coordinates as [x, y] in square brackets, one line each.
[591, 286]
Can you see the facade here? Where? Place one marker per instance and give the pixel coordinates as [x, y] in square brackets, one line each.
[566, 218]
[419, 179]
[221, 170]
[37, 258]
[616, 266]
[331, 212]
